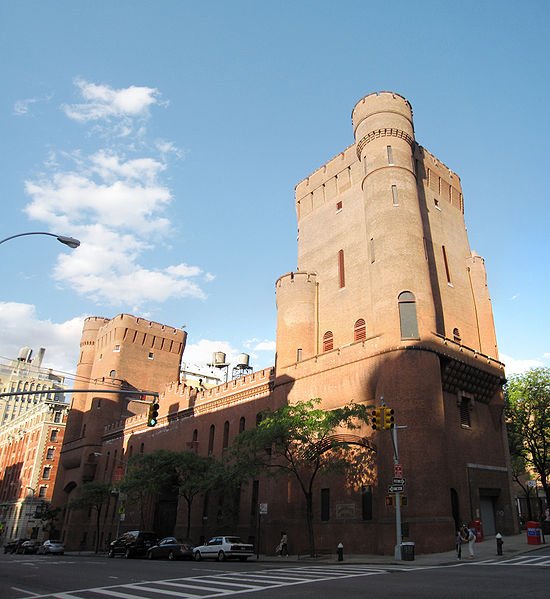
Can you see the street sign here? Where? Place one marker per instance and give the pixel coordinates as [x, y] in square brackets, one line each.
[396, 489]
[398, 470]
[263, 508]
[398, 481]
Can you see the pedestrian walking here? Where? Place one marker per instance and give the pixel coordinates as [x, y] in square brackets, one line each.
[282, 547]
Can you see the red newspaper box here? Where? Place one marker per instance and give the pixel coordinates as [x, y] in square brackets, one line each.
[533, 533]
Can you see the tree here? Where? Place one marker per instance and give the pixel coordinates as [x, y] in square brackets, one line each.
[299, 440]
[528, 423]
[194, 475]
[92, 496]
[147, 475]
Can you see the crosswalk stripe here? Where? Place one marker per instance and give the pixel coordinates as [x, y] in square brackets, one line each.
[186, 585]
[147, 587]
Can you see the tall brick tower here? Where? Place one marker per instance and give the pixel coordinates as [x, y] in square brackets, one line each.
[390, 303]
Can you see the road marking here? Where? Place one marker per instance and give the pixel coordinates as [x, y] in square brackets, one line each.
[216, 585]
[31, 593]
[520, 560]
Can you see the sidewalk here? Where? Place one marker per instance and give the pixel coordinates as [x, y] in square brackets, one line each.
[486, 550]
[513, 546]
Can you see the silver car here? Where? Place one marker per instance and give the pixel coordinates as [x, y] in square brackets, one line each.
[222, 548]
[51, 547]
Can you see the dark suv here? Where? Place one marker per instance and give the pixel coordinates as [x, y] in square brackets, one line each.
[133, 543]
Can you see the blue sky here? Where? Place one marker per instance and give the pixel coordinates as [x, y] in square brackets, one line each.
[169, 135]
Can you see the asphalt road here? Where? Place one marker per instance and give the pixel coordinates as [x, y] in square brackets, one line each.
[80, 577]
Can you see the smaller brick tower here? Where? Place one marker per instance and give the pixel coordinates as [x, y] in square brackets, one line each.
[122, 353]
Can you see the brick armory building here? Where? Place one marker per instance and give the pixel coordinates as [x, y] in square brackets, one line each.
[388, 301]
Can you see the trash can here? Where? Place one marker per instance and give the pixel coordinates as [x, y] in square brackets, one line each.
[407, 551]
[477, 527]
[533, 533]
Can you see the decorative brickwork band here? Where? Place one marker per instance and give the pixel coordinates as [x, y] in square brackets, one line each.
[388, 131]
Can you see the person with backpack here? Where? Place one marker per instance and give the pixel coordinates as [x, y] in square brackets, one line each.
[470, 536]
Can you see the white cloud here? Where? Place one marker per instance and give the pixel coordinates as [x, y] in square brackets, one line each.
[520, 365]
[102, 102]
[265, 345]
[115, 207]
[21, 327]
[22, 107]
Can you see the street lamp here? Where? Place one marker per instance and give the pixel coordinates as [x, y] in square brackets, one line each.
[69, 241]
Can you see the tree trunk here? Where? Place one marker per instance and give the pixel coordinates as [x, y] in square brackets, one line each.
[98, 526]
[309, 518]
[188, 518]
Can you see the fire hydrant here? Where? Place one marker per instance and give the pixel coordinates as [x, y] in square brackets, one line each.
[500, 542]
[340, 552]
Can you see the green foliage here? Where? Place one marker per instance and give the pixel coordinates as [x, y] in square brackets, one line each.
[528, 423]
[92, 495]
[297, 440]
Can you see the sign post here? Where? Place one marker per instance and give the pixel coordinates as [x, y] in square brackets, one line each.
[262, 510]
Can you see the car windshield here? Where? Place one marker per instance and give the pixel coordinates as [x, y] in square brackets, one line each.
[233, 539]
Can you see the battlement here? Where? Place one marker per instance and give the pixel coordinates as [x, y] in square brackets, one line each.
[296, 277]
[378, 102]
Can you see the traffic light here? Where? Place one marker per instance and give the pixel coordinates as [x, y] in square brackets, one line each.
[389, 419]
[376, 419]
[153, 413]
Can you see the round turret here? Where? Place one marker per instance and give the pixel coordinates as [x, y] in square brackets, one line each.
[295, 294]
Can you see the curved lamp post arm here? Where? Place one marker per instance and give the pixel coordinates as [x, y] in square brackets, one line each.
[69, 241]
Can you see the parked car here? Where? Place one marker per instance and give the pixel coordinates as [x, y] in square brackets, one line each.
[13, 546]
[222, 548]
[134, 543]
[31, 546]
[51, 547]
[170, 548]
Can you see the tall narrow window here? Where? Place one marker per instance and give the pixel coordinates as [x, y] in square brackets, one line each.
[390, 154]
[328, 341]
[49, 453]
[46, 472]
[445, 261]
[242, 424]
[465, 405]
[325, 505]
[341, 271]
[366, 503]
[371, 250]
[225, 434]
[195, 436]
[211, 439]
[360, 330]
[407, 315]
[456, 335]
[254, 497]
[395, 198]
[299, 354]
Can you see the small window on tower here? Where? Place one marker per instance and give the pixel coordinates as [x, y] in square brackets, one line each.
[341, 270]
[395, 197]
[328, 341]
[151, 356]
[390, 154]
[116, 348]
[436, 202]
[299, 354]
[360, 330]
[339, 206]
[456, 335]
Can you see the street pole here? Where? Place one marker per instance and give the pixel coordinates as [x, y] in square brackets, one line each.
[398, 535]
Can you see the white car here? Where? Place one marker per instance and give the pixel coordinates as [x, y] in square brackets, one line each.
[222, 548]
[52, 547]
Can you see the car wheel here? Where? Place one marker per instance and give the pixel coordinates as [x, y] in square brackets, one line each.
[150, 555]
[171, 556]
[128, 554]
[197, 555]
[221, 556]
[243, 558]
[111, 553]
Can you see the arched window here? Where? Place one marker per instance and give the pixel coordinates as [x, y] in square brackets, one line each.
[456, 335]
[211, 439]
[242, 424]
[407, 315]
[360, 330]
[225, 434]
[328, 341]
[195, 436]
[258, 418]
